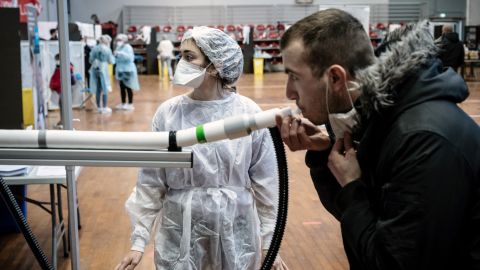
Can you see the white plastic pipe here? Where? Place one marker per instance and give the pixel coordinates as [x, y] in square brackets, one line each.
[229, 128]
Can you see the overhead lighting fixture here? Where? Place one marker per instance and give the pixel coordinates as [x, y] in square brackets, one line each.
[443, 15]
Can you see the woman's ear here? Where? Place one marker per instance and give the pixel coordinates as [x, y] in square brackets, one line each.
[338, 77]
[212, 70]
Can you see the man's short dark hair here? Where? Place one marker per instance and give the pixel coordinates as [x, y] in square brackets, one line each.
[331, 37]
[52, 31]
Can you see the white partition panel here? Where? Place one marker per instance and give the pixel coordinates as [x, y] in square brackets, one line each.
[48, 50]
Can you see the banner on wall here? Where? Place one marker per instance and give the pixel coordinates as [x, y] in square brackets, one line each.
[22, 5]
[8, 3]
[38, 90]
[25, 5]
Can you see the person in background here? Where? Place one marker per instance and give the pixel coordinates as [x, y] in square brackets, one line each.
[125, 72]
[400, 168]
[451, 52]
[221, 213]
[95, 19]
[56, 85]
[100, 56]
[53, 34]
[165, 54]
[86, 59]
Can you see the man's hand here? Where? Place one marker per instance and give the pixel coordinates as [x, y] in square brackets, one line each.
[130, 261]
[343, 162]
[301, 134]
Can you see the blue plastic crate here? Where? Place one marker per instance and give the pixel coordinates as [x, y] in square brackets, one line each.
[7, 222]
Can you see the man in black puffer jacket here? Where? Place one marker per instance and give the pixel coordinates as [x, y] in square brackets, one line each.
[403, 175]
[451, 52]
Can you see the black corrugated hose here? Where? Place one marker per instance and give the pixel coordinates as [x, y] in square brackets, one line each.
[282, 200]
[14, 209]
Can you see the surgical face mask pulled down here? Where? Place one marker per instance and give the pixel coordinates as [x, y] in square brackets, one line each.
[342, 122]
[187, 74]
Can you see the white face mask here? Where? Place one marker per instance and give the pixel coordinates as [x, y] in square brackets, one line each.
[342, 122]
[187, 74]
[120, 43]
[57, 63]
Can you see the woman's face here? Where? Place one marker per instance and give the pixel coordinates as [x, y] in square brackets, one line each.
[192, 53]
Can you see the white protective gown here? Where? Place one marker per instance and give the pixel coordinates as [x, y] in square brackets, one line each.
[220, 213]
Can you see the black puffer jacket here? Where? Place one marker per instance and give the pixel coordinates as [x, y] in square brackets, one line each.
[417, 204]
[452, 52]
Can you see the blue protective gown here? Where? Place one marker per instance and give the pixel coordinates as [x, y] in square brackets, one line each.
[125, 69]
[100, 57]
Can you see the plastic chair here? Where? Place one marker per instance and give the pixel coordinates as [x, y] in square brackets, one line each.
[167, 29]
[381, 26]
[180, 29]
[132, 29]
[273, 35]
[260, 27]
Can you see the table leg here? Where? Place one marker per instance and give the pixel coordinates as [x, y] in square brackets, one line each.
[61, 221]
[54, 226]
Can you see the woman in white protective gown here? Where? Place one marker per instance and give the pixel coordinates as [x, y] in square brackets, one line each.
[221, 213]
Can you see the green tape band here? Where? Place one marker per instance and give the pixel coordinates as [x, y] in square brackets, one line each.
[200, 134]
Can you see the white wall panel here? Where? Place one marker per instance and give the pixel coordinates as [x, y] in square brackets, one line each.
[110, 9]
[473, 12]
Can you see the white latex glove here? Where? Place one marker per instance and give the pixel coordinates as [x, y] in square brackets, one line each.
[130, 261]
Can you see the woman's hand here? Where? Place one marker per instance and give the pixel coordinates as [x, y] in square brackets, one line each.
[278, 264]
[130, 261]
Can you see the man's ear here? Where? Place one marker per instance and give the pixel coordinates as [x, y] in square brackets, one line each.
[338, 77]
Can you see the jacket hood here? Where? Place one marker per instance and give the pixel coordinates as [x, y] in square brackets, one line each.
[408, 73]
[452, 37]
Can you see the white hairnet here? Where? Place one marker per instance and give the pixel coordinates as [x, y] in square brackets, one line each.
[122, 37]
[221, 50]
[105, 39]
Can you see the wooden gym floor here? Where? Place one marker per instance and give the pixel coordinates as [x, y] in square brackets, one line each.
[312, 239]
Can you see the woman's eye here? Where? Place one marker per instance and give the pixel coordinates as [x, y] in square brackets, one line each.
[293, 77]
